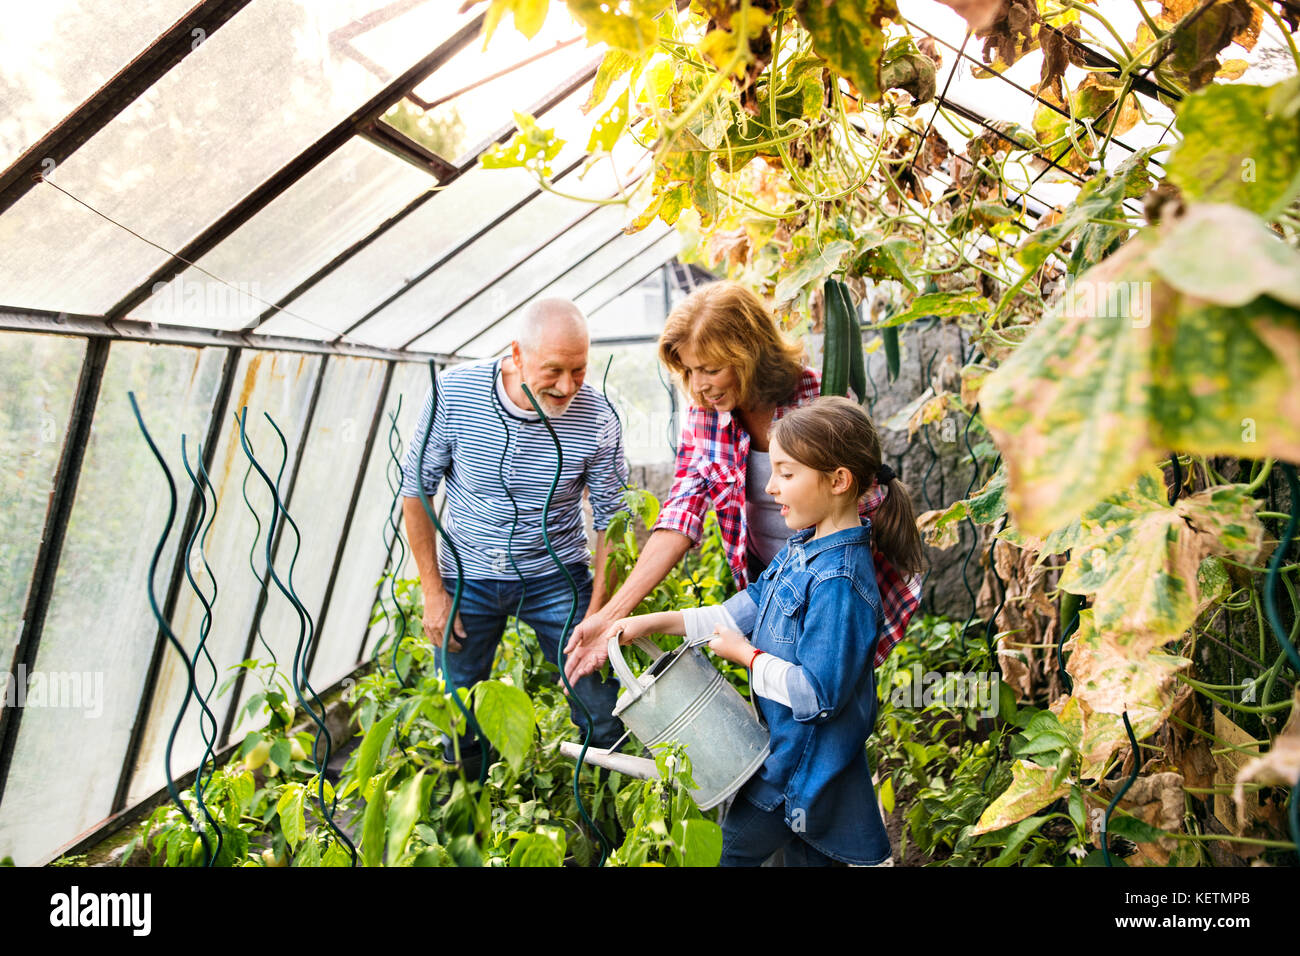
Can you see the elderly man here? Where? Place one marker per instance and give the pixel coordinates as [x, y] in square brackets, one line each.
[498, 460]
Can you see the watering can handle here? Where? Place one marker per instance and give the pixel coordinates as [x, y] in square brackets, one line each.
[625, 675]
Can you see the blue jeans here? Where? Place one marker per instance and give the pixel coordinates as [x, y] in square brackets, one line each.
[486, 603]
[751, 835]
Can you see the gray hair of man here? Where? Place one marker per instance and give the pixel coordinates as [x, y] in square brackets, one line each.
[545, 318]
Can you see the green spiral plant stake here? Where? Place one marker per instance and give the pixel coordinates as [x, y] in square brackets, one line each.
[207, 719]
[278, 510]
[510, 538]
[252, 550]
[605, 845]
[672, 407]
[455, 599]
[170, 635]
[392, 535]
[975, 535]
[1275, 619]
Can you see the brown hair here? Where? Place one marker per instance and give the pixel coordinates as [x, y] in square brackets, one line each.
[728, 325]
[833, 432]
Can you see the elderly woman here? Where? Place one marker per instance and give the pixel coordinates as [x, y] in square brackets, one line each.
[742, 374]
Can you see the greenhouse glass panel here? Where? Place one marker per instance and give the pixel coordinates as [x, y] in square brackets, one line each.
[140, 169]
[639, 313]
[330, 464]
[99, 633]
[55, 56]
[388, 264]
[38, 381]
[279, 384]
[359, 184]
[638, 387]
[453, 128]
[571, 284]
[366, 550]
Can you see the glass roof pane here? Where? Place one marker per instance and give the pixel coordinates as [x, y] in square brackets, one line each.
[453, 129]
[56, 55]
[143, 168]
[580, 277]
[601, 229]
[279, 384]
[603, 305]
[360, 185]
[99, 633]
[389, 263]
[443, 292]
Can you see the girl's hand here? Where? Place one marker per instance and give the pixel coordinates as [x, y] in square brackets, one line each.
[731, 645]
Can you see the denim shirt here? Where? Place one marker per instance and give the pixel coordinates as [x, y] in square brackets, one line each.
[818, 606]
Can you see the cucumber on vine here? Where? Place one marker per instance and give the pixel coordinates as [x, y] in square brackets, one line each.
[889, 338]
[836, 351]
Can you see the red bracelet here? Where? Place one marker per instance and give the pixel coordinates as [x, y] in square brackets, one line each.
[754, 658]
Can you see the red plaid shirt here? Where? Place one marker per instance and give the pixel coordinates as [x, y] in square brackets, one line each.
[710, 472]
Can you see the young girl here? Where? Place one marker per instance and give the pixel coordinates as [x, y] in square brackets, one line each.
[814, 617]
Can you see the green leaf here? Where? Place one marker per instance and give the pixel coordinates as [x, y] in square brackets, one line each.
[336, 855]
[309, 855]
[697, 842]
[506, 716]
[1127, 367]
[529, 15]
[851, 37]
[464, 850]
[404, 810]
[967, 302]
[1131, 828]
[1240, 144]
[1021, 832]
[282, 754]
[1140, 556]
[624, 26]
[1030, 790]
[372, 824]
[290, 809]
[811, 269]
[904, 67]
[887, 794]
[545, 847]
[609, 127]
[371, 746]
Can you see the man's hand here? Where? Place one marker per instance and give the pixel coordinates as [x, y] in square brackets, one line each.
[585, 653]
[437, 606]
[732, 646]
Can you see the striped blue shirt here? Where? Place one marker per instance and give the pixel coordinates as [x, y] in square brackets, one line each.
[481, 439]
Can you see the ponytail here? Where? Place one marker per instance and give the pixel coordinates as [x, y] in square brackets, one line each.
[894, 531]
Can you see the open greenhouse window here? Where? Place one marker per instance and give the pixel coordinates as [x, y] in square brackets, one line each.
[463, 106]
[139, 169]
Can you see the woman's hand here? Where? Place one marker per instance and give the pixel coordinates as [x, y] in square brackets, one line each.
[731, 645]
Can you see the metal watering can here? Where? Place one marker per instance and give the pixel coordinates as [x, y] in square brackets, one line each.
[683, 697]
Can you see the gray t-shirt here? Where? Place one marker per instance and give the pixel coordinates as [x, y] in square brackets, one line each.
[767, 529]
